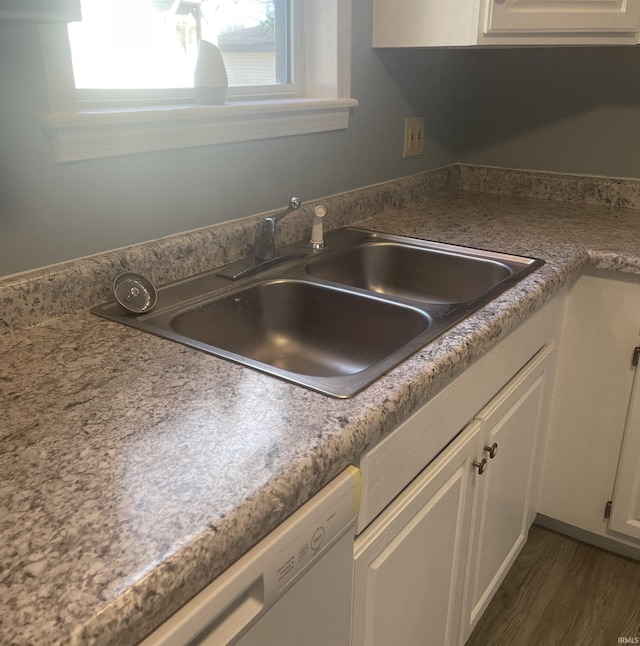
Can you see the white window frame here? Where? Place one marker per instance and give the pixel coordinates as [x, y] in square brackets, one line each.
[81, 130]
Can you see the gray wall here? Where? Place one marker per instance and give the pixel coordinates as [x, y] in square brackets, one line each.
[573, 110]
[568, 110]
[51, 212]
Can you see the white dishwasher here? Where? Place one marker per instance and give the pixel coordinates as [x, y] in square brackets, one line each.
[294, 587]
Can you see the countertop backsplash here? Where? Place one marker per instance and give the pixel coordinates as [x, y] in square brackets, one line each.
[32, 297]
[590, 189]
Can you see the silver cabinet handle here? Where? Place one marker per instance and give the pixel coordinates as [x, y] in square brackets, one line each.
[491, 450]
[481, 466]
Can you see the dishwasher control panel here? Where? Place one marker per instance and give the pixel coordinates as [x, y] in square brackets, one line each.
[314, 530]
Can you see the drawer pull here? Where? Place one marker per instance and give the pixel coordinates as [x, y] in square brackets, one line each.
[492, 450]
[481, 466]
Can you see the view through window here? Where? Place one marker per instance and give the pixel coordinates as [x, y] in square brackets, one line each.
[148, 44]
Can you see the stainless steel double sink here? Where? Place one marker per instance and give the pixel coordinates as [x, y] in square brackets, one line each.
[332, 320]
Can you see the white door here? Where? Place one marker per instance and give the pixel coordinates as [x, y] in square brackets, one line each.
[410, 563]
[625, 512]
[512, 423]
[562, 16]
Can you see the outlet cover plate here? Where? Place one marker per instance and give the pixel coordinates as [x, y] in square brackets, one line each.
[413, 137]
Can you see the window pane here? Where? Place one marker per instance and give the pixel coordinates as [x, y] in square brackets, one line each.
[130, 44]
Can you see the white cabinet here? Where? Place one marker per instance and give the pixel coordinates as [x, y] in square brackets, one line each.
[594, 379]
[390, 465]
[409, 574]
[511, 426]
[625, 512]
[427, 564]
[437, 23]
[563, 16]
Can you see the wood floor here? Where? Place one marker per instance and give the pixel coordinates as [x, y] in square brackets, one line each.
[561, 591]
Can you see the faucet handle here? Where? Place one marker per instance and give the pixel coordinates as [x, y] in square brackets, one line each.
[294, 204]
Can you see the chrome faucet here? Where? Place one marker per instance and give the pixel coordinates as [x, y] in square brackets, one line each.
[265, 245]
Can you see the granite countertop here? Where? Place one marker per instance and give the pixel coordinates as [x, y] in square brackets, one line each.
[135, 470]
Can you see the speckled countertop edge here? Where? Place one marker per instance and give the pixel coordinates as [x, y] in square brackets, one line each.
[88, 414]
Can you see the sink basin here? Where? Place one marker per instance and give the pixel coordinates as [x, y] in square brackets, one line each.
[302, 328]
[332, 320]
[413, 272]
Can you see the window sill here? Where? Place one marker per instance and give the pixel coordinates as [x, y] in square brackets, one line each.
[94, 134]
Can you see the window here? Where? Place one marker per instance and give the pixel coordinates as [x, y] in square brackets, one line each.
[121, 81]
[140, 45]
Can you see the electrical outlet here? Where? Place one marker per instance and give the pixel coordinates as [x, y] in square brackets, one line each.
[413, 136]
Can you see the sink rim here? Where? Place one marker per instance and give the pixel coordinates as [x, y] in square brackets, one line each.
[192, 291]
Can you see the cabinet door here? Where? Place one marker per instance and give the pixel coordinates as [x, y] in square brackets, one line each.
[425, 23]
[410, 563]
[593, 385]
[562, 16]
[625, 512]
[437, 23]
[502, 509]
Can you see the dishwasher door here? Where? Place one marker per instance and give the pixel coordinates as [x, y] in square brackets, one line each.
[294, 587]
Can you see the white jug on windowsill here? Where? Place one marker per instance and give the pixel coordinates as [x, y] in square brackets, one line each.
[210, 77]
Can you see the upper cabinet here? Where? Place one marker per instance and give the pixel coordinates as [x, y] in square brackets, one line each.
[442, 23]
[40, 10]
